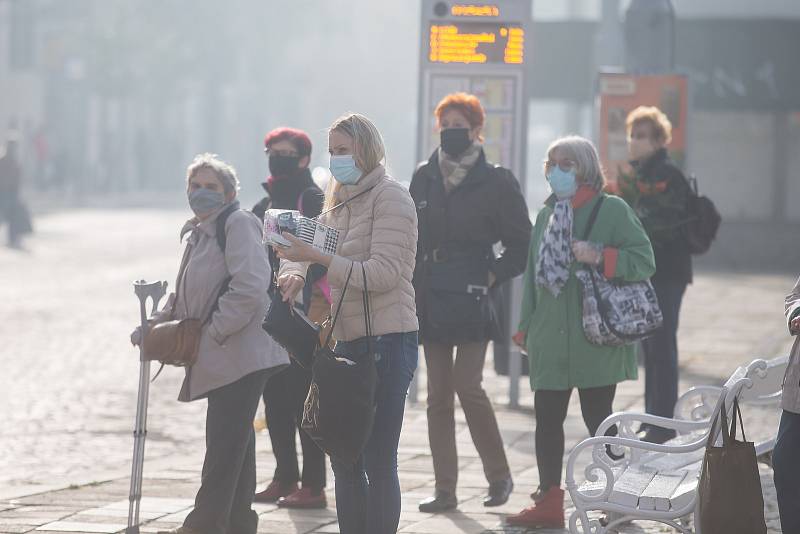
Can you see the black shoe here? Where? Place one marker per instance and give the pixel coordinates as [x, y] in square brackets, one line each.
[442, 501]
[657, 435]
[499, 492]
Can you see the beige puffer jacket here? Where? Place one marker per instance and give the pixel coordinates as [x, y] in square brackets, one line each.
[378, 229]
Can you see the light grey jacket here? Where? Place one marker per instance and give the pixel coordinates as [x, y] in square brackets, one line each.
[233, 344]
[790, 401]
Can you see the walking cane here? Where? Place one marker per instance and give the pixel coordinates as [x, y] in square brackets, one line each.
[154, 291]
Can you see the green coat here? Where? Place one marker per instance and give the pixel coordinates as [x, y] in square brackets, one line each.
[560, 356]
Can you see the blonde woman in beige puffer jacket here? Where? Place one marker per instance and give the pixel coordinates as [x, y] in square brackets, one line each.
[377, 223]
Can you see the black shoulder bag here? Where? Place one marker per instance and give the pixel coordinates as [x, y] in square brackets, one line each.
[340, 408]
[289, 326]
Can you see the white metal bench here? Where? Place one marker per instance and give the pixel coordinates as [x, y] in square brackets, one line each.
[659, 482]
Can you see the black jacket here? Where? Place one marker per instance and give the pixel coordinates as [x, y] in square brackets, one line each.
[297, 192]
[300, 193]
[486, 208]
[659, 193]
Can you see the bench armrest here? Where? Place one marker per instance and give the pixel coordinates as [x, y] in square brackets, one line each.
[688, 408]
[625, 422]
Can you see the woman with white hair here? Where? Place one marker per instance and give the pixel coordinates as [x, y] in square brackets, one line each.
[551, 328]
[377, 224]
[223, 281]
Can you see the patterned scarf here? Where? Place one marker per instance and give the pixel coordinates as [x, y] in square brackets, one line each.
[555, 250]
[455, 169]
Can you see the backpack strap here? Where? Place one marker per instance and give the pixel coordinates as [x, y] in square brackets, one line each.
[593, 217]
[222, 219]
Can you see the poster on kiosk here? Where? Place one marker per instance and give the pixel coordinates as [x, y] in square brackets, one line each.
[618, 95]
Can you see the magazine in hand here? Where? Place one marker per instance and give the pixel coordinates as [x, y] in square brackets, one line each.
[313, 232]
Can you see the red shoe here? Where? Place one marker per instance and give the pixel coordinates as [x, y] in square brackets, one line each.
[275, 491]
[548, 512]
[304, 498]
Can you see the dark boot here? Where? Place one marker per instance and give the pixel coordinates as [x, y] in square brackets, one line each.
[442, 501]
[499, 492]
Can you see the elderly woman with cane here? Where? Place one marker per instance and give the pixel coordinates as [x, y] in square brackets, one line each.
[223, 282]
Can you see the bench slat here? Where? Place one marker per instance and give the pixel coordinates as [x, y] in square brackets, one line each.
[656, 495]
[687, 489]
[631, 484]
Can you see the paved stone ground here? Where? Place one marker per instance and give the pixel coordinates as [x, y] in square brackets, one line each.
[68, 389]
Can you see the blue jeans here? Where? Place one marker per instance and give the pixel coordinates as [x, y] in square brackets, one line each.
[368, 493]
[661, 352]
[786, 464]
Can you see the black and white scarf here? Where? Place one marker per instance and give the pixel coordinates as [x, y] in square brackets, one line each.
[555, 249]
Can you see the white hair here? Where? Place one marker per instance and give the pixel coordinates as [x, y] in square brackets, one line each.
[225, 172]
[584, 153]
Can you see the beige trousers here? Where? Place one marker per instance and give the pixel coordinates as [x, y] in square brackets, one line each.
[461, 375]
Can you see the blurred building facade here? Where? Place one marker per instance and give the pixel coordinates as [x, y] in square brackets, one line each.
[117, 95]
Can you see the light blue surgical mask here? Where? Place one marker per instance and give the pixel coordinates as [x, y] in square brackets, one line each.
[345, 170]
[563, 183]
[205, 200]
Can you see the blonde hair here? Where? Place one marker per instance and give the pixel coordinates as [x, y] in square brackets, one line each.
[368, 148]
[660, 124]
[583, 152]
[225, 172]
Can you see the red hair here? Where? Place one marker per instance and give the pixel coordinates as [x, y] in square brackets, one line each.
[466, 104]
[298, 138]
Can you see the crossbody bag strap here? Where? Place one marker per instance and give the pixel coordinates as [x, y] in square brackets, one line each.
[340, 204]
[593, 217]
[367, 313]
[181, 273]
[339, 306]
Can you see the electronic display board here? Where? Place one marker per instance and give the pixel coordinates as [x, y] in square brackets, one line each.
[477, 48]
[476, 42]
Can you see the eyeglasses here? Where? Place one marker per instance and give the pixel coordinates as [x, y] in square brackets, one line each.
[565, 164]
[287, 153]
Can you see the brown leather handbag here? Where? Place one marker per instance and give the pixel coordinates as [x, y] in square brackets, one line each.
[177, 342]
[174, 342]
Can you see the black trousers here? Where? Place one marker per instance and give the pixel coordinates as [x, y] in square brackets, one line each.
[284, 396]
[661, 352]
[551, 411]
[224, 502]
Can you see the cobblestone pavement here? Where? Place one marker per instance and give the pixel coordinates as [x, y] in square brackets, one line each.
[68, 388]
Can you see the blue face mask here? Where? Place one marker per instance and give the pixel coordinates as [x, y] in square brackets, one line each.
[345, 170]
[205, 200]
[563, 183]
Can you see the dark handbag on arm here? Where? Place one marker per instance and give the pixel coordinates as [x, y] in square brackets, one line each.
[340, 408]
[729, 489]
[291, 328]
[614, 312]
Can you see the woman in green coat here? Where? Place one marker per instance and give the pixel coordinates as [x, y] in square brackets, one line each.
[551, 328]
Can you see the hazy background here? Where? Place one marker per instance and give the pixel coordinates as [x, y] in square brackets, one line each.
[116, 96]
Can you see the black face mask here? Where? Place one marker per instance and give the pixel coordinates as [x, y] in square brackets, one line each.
[283, 165]
[455, 140]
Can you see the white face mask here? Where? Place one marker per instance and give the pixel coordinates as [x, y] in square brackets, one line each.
[640, 149]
